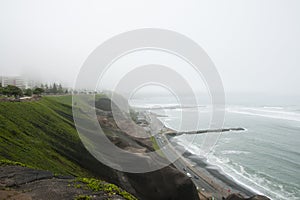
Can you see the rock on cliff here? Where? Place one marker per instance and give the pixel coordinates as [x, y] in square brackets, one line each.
[22, 183]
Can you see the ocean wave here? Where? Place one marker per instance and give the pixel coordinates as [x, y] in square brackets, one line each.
[189, 144]
[226, 152]
[274, 107]
[252, 179]
[255, 181]
[150, 106]
[262, 112]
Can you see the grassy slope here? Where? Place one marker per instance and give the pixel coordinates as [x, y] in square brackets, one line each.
[42, 134]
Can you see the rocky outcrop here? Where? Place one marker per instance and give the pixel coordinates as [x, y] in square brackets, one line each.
[104, 104]
[24, 183]
[258, 197]
[166, 183]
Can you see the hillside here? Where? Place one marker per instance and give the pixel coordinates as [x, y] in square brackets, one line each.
[42, 134]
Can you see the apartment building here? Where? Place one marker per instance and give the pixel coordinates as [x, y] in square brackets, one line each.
[14, 80]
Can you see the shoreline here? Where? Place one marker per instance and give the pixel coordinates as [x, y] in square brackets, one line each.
[217, 176]
[211, 174]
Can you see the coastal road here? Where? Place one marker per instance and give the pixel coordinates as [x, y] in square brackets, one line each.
[204, 187]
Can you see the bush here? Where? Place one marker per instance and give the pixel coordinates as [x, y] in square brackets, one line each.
[98, 185]
[12, 90]
[38, 91]
[83, 197]
[28, 92]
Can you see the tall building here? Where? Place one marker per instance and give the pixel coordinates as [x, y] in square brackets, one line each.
[14, 80]
[19, 81]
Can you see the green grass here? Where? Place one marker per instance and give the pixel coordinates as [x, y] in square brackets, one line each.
[85, 183]
[65, 99]
[98, 185]
[82, 197]
[42, 135]
[156, 147]
[6, 162]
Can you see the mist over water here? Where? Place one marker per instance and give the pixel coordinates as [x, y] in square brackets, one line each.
[264, 158]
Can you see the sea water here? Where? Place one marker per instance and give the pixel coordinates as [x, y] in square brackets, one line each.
[264, 158]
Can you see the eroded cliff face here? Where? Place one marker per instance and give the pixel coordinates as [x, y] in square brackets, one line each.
[166, 183]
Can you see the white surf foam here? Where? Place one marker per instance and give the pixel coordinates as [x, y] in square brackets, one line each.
[226, 152]
[253, 182]
[266, 112]
[238, 173]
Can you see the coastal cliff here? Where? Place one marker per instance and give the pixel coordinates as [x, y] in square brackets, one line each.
[42, 134]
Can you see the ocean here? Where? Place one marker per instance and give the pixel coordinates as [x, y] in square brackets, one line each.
[264, 158]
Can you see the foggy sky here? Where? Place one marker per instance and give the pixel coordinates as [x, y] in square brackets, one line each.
[254, 44]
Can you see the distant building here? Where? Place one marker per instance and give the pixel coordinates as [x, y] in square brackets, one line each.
[14, 80]
[32, 84]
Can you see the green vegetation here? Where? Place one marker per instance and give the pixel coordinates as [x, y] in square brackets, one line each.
[133, 115]
[67, 100]
[38, 91]
[83, 197]
[12, 90]
[6, 162]
[98, 185]
[53, 89]
[28, 92]
[156, 147]
[85, 183]
[42, 134]
[154, 143]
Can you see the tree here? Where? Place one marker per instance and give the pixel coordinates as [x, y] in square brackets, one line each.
[54, 89]
[28, 92]
[12, 90]
[60, 89]
[38, 91]
[47, 90]
[42, 86]
[1, 89]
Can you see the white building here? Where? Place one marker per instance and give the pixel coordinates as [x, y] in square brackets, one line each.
[19, 81]
[14, 80]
